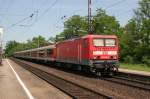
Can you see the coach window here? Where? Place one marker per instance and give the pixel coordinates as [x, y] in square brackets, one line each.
[85, 43]
[49, 51]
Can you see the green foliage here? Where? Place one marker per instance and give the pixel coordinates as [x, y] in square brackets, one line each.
[134, 38]
[52, 40]
[13, 46]
[128, 59]
[139, 67]
[38, 41]
[105, 24]
[138, 31]
[75, 26]
[146, 60]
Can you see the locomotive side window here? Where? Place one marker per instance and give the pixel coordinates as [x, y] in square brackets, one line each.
[110, 42]
[85, 43]
[98, 42]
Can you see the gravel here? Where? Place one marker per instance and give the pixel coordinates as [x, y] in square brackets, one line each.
[98, 84]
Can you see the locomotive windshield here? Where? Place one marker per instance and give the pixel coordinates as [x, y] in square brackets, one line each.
[104, 42]
[110, 42]
[98, 42]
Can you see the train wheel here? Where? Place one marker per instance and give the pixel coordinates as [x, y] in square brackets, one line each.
[79, 68]
[98, 73]
[85, 69]
[111, 74]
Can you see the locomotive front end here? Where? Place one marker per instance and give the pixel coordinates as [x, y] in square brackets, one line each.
[104, 54]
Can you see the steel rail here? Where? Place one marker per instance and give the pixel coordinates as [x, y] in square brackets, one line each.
[74, 90]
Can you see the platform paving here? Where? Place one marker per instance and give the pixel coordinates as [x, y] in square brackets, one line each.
[10, 88]
[135, 72]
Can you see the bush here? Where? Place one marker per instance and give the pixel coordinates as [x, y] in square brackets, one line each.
[146, 60]
[128, 59]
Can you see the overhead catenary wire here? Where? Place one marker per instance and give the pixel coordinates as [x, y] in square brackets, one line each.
[38, 16]
[20, 21]
[115, 4]
[45, 11]
[41, 14]
[65, 17]
[28, 17]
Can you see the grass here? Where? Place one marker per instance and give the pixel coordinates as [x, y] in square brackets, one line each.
[140, 67]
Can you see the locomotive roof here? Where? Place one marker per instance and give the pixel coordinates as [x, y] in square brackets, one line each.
[99, 36]
[36, 49]
[90, 36]
[86, 36]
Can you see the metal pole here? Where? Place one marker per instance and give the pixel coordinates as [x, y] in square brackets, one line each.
[38, 43]
[89, 17]
[1, 34]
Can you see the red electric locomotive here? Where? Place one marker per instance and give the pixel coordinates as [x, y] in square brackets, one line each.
[96, 53]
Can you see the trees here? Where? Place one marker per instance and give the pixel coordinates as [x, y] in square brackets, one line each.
[38, 41]
[105, 24]
[134, 42]
[52, 40]
[13, 46]
[78, 25]
[138, 31]
[74, 26]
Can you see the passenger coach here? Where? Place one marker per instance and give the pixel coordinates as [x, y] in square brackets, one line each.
[46, 54]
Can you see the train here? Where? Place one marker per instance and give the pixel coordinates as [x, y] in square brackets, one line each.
[92, 53]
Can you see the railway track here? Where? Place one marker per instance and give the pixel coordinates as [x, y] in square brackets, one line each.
[132, 80]
[129, 82]
[118, 87]
[74, 90]
[135, 77]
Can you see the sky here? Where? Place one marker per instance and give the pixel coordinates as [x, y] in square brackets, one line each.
[25, 19]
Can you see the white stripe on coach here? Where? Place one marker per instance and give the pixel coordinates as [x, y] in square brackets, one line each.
[21, 83]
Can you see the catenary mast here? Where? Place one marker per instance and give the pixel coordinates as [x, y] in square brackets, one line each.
[89, 16]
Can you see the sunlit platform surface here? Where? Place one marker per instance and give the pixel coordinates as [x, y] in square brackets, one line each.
[18, 83]
[135, 72]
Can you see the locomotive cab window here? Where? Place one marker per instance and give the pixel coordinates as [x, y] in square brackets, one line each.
[98, 42]
[85, 43]
[110, 42]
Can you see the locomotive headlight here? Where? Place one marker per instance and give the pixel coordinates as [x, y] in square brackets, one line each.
[112, 52]
[115, 57]
[97, 52]
[95, 57]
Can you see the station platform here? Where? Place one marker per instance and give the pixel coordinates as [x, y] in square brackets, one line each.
[18, 83]
[144, 73]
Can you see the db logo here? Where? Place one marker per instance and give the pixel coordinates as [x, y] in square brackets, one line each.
[105, 52]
